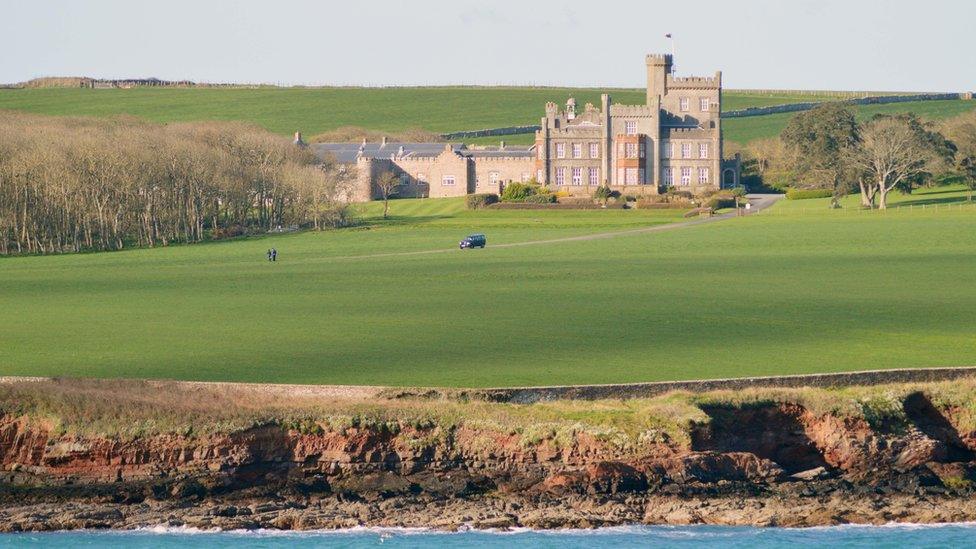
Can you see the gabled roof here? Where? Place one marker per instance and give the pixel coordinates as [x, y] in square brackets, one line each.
[347, 153]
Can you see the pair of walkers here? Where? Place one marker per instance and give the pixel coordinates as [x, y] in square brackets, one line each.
[272, 255]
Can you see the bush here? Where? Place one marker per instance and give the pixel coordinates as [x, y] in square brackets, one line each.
[720, 202]
[604, 193]
[803, 194]
[518, 192]
[546, 198]
[480, 200]
[680, 194]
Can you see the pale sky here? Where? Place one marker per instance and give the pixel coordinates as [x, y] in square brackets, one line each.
[898, 45]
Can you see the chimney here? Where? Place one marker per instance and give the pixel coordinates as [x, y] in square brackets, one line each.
[501, 146]
[383, 142]
[298, 138]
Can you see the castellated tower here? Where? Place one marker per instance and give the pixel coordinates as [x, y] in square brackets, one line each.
[658, 69]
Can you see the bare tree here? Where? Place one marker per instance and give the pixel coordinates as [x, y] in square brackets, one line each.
[892, 151]
[69, 184]
[388, 184]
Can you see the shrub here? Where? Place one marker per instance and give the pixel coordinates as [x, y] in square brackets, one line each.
[604, 193]
[545, 198]
[480, 200]
[518, 192]
[803, 194]
[675, 194]
[720, 202]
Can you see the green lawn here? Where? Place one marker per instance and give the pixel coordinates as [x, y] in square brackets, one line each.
[315, 110]
[773, 293]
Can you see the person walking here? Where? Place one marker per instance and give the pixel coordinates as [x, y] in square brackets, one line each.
[269, 254]
[274, 254]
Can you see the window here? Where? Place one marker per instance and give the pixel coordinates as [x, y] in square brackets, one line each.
[686, 176]
[560, 176]
[404, 179]
[594, 176]
[640, 175]
[447, 180]
[667, 149]
[577, 176]
[684, 104]
[631, 176]
[526, 176]
[630, 127]
[538, 175]
[642, 149]
[631, 150]
[703, 150]
[704, 103]
[594, 150]
[560, 150]
[422, 177]
[686, 150]
[577, 150]
[703, 175]
[493, 177]
[668, 177]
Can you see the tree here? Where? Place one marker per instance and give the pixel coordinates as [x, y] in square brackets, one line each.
[961, 130]
[817, 142]
[967, 168]
[69, 184]
[897, 150]
[388, 184]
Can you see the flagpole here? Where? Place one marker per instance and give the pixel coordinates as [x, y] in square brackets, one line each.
[671, 39]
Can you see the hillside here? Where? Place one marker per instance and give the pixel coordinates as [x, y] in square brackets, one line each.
[441, 110]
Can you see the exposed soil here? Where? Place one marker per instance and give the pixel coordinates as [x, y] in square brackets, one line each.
[760, 465]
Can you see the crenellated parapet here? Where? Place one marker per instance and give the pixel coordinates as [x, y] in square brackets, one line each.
[695, 82]
[632, 111]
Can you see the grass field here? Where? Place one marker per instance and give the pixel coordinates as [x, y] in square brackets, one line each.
[744, 130]
[391, 109]
[802, 291]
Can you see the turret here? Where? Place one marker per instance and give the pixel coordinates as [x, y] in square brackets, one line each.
[658, 69]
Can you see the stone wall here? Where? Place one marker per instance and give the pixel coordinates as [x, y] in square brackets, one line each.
[643, 390]
[876, 100]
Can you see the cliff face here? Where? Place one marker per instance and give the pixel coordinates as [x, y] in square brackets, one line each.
[760, 452]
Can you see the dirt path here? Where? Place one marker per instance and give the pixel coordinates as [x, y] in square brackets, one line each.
[758, 202]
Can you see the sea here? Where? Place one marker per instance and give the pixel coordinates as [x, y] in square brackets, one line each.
[902, 535]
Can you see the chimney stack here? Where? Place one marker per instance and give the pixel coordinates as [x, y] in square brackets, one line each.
[383, 142]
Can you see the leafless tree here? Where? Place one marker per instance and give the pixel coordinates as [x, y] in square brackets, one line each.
[388, 183]
[69, 184]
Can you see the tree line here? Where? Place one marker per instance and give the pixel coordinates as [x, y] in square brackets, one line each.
[828, 148]
[73, 184]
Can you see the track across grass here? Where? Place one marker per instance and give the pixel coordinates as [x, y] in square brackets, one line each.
[774, 293]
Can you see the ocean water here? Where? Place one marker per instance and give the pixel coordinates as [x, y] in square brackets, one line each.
[913, 536]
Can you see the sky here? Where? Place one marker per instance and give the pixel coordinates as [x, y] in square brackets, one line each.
[894, 45]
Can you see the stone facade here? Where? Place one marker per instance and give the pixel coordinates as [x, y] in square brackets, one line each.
[673, 140]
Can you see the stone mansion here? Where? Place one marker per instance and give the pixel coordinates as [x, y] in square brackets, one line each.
[673, 140]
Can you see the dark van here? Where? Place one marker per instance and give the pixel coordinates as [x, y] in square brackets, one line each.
[474, 241]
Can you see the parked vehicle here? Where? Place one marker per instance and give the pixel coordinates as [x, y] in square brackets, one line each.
[474, 241]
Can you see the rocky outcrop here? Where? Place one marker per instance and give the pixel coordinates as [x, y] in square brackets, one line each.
[776, 464]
